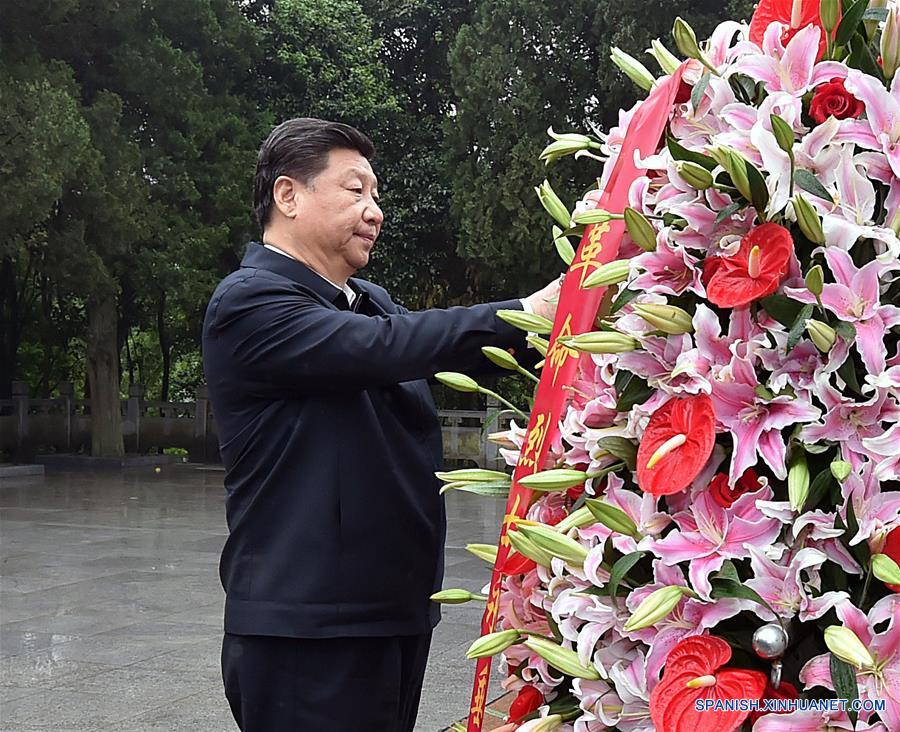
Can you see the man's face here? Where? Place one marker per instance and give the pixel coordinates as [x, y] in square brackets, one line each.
[338, 214]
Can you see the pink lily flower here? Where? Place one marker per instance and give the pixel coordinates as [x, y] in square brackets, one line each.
[690, 617]
[755, 423]
[886, 450]
[792, 68]
[881, 128]
[623, 704]
[818, 532]
[784, 589]
[813, 721]
[854, 298]
[669, 364]
[881, 681]
[877, 512]
[708, 534]
[846, 421]
[669, 270]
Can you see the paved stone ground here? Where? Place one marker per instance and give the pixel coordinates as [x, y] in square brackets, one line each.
[111, 607]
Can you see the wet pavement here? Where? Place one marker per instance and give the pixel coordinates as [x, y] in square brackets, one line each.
[111, 607]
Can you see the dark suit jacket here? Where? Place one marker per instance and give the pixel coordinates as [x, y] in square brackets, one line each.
[330, 441]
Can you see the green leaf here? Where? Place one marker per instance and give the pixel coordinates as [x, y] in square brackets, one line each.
[844, 679]
[498, 488]
[620, 569]
[860, 551]
[622, 299]
[809, 183]
[799, 327]
[679, 152]
[861, 58]
[847, 371]
[820, 484]
[622, 448]
[783, 309]
[847, 331]
[759, 193]
[728, 212]
[699, 90]
[730, 588]
[637, 392]
[878, 14]
[850, 22]
[728, 572]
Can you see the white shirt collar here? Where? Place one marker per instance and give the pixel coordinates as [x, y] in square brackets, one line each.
[346, 289]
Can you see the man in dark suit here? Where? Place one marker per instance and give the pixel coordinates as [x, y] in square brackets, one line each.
[330, 441]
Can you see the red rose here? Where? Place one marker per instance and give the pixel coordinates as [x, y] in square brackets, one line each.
[725, 495]
[784, 691]
[769, 11]
[528, 701]
[676, 444]
[693, 674]
[833, 100]
[755, 271]
[892, 549]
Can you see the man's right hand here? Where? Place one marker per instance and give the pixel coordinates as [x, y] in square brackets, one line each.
[544, 301]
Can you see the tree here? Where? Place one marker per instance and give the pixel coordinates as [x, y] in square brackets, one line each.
[520, 67]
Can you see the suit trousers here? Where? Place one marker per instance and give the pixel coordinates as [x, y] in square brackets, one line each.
[276, 684]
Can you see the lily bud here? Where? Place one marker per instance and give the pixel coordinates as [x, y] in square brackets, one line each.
[694, 174]
[847, 646]
[456, 381]
[784, 134]
[566, 144]
[472, 475]
[530, 322]
[527, 548]
[500, 357]
[578, 519]
[555, 544]
[737, 168]
[563, 246]
[455, 597]
[595, 216]
[633, 69]
[487, 552]
[562, 659]
[808, 220]
[798, 481]
[829, 12]
[667, 61]
[614, 519]
[657, 605]
[608, 274]
[492, 643]
[544, 724]
[553, 205]
[886, 569]
[686, 39]
[560, 479]
[640, 230]
[669, 319]
[890, 43]
[540, 344]
[822, 334]
[600, 341]
[815, 280]
[840, 470]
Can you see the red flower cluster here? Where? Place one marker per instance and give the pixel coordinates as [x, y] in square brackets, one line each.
[528, 701]
[693, 671]
[784, 691]
[676, 444]
[769, 11]
[833, 100]
[892, 549]
[755, 271]
[725, 495]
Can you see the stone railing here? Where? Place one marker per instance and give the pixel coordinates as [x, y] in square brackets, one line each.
[63, 425]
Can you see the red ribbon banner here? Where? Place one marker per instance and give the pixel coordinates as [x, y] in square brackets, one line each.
[575, 314]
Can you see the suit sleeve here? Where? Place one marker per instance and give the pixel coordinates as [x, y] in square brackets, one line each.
[278, 339]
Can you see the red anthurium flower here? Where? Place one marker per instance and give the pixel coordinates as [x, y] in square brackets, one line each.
[676, 444]
[769, 11]
[755, 271]
[528, 701]
[725, 495]
[833, 100]
[517, 564]
[693, 671]
[711, 265]
[892, 549]
[784, 691]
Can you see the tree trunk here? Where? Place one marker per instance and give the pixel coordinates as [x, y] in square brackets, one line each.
[103, 375]
[165, 347]
[10, 327]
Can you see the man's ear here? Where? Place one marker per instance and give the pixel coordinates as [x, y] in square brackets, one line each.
[285, 195]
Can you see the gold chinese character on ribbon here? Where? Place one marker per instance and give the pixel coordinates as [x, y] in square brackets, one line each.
[558, 354]
[587, 257]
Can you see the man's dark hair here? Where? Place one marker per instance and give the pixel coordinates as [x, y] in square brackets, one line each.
[299, 148]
